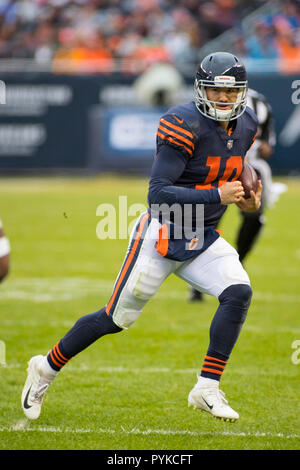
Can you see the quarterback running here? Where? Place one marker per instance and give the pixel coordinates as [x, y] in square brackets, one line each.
[200, 154]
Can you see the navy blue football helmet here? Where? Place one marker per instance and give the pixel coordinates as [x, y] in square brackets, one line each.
[221, 69]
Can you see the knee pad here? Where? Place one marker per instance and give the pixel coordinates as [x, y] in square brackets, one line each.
[127, 310]
[235, 300]
[238, 295]
[143, 283]
[146, 279]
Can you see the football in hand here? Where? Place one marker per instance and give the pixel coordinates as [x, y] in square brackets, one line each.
[248, 179]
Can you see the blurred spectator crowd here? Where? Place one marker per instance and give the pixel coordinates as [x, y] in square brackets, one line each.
[94, 35]
[275, 37]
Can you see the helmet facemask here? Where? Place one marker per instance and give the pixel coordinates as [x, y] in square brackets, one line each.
[209, 108]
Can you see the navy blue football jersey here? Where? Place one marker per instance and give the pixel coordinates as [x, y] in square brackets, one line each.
[211, 155]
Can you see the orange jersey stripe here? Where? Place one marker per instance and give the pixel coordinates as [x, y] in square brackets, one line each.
[204, 186]
[215, 359]
[174, 134]
[163, 242]
[125, 268]
[210, 186]
[214, 371]
[174, 141]
[189, 134]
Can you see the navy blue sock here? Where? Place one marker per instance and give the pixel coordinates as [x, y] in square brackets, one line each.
[225, 328]
[86, 331]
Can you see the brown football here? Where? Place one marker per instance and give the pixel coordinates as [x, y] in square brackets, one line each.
[248, 179]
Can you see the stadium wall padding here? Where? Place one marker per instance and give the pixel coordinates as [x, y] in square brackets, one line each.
[92, 123]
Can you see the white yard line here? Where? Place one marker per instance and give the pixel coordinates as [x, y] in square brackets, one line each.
[41, 290]
[136, 431]
[58, 296]
[10, 322]
[154, 370]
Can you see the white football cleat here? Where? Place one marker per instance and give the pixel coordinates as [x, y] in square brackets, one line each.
[211, 399]
[36, 385]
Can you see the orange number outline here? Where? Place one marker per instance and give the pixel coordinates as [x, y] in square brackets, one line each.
[235, 162]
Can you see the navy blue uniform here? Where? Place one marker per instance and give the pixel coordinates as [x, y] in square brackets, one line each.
[194, 157]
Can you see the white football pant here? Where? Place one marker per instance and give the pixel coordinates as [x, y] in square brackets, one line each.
[210, 272]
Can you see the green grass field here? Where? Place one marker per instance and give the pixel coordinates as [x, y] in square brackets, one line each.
[129, 391]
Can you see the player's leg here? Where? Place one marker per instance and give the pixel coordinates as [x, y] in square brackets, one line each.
[140, 277]
[195, 295]
[252, 223]
[218, 272]
[4, 254]
[249, 231]
[250, 228]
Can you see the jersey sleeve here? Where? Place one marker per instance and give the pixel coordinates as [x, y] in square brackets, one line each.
[174, 131]
[167, 168]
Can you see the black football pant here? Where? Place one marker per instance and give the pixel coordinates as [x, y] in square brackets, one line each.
[250, 228]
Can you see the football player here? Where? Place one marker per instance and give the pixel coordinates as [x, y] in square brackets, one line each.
[258, 155]
[260, 152]
[4, 254]
[201, 148]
